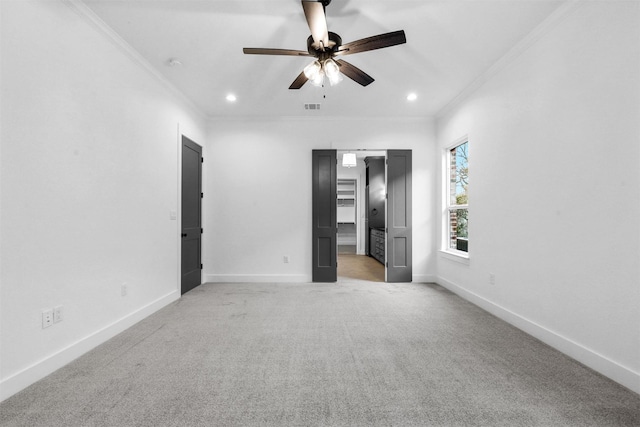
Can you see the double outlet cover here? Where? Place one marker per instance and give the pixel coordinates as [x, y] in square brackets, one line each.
[51, 316]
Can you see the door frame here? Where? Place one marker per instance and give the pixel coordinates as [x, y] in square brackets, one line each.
[409, 208]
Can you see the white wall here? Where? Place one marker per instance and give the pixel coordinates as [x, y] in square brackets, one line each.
[258, 192]
[554, 191]
[89, 175]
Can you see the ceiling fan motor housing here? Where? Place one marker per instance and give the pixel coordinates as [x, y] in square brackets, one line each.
[327, 53]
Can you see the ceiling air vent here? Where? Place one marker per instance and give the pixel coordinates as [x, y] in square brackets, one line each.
[311, 106]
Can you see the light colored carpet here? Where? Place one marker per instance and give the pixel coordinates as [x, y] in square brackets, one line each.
[343, 354]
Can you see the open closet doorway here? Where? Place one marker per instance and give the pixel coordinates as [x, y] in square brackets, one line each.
[362, 213]
[354, 261]
[383, 209]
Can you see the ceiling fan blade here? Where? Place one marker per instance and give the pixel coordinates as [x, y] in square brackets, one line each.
[266, 51]
[299, 81]
[354, 73]
[371, 43]
[317, 20]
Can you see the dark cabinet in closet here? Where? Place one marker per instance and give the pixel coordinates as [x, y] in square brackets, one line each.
[376, 190]
[377, 246]
[375, 205]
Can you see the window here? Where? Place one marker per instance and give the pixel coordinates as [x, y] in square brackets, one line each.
[457, 212]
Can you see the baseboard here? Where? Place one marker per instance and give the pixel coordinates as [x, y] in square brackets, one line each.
[424, 278]
[257, 278]
[586, 356]
[287, 278]
[21, 380]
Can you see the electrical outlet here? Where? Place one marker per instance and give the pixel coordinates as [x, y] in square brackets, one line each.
[492, 279]
[47, 318]
[57, 314]
[123, 290]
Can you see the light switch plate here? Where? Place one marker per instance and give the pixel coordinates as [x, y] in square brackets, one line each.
[57, 314]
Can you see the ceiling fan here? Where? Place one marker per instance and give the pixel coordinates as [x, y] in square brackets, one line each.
[325, 46]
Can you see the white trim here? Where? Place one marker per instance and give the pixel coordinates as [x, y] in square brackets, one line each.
[257, 278]
[458, 141]
[424, 278]
[457, 256]
[179, 213]
[37, 371]
[518, 49]
[426, 120]
[456, 207]
[598, 362]
[90, 16]
[288, 278]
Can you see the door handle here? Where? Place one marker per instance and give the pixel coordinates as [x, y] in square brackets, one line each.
[184, 234]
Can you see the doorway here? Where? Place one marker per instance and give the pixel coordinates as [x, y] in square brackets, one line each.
[191, 227]
[383, 216]
[357, 262]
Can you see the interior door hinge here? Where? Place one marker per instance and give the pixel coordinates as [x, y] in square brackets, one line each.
[200, 266]
[201, 159]
[201, 230]
[202, 195]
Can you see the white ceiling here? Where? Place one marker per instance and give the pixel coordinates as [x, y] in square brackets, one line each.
[449, 44]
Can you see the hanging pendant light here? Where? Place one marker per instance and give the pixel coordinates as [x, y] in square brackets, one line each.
[314, 73]
[332, 71]
[349, 160]
[317, 71]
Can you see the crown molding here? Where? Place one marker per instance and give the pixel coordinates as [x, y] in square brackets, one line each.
[518, 49]
[97, 23]
[428, 120]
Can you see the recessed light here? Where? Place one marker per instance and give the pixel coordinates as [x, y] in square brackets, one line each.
[231, 97]
[412, 97]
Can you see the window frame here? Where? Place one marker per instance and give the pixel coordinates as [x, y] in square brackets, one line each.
[447, 205]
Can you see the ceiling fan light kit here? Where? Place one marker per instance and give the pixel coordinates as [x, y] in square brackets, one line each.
[325, 46]
[313, 72]
[332, 71]
[316, 72]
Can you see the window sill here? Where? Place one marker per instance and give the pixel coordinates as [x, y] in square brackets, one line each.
[457, 256]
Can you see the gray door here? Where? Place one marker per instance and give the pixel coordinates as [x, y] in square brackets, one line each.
[325, 225]
[398, 252]
[191, 214]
